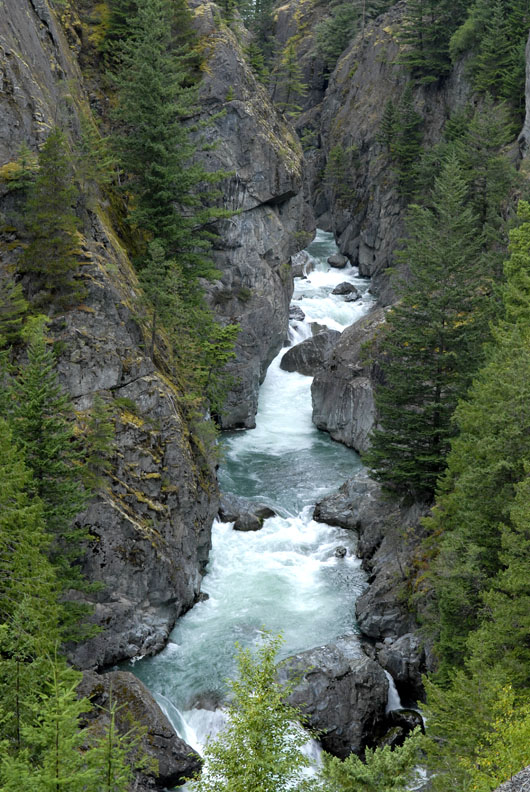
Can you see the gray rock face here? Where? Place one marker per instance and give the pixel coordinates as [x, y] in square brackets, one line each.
[346, 288]
[342, 692]
[342, 392]
[151, 520]
[233, 506]
[301, 264]
[404, 659]
[255, 247]
[367, 75]
[518, 783]
[356, 505]
[176, 759]
[311, 354]
[337, 260]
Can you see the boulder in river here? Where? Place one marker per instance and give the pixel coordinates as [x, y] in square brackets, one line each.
[341, 691]
[245, 514]
[296, 313]
[337, 260]
[340, 551]
[301, 264]
[343, 390]
[308, 356]
[346, 288]
[176, 759]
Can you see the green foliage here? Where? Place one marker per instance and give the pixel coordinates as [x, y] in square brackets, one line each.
[13, 309]
[335, 33]
[486, 463]
[406, 140]
[42, 421]
[98, 445]
[260, 749]
[339, 173]
[383, 770]
[51, 256]
[433, 338]
[388, 127]
[289, 85]
[426, 33]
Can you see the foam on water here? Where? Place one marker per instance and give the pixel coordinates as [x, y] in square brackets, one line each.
[284, 577]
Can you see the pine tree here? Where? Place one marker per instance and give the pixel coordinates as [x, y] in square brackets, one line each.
[43, 425]
[407, 143]
[289, 86]
[261, 746]
[383, 769]
[13, 308]
[387, 129]
[51, 256]
[487, 461]
[433, 339]
[156, 150]
[98, 445]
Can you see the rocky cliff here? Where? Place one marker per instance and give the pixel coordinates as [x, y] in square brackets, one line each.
[151, 521]
[272, 219]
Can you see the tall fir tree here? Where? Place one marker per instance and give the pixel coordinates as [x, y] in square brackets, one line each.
[51, 258]
[433, 340]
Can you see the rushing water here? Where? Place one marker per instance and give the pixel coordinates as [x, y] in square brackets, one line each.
[285, 577]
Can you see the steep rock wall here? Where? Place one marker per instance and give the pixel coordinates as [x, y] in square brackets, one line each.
[151, 521]
[272, 218]
[369, 226]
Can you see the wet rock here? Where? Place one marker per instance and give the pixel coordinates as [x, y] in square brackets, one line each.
[301, 264]
[176, 760]
[296, 313]
[404, 659]
[337, 260]
[311, 354]
[352, 297]
[342, 692]
[342, 392]
[356, 504]
[248, 522]
[346, 288]
[234, 507]
[340, 552]
[272, 219]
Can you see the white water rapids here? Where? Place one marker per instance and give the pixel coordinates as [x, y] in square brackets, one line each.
[285, 577]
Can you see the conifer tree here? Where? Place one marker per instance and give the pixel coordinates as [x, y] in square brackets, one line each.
[13, 308]
[98, 445]
[260, 748]
[51, 256]
[407, 143]
[487, 461]
[433, 340]
[289, 84]
[43, 425]
[156, 150]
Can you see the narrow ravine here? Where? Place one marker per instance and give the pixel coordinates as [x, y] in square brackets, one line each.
[284, 578]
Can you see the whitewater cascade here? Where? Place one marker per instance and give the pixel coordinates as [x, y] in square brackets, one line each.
[285, 577]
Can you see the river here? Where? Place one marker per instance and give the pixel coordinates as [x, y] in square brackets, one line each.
[284, 578]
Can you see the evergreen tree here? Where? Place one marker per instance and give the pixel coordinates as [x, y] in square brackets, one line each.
[487, 461]
[98, 444]
[289, 86]
[13, 308]
[407, 143]
[383, 769]
[387, 130]
[51, 256]
[433, 339]
[261, 745]
[156, 150]
[43, 425]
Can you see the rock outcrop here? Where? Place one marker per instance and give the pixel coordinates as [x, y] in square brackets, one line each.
[174, 760]
[151, 520]
[518, 783]
[273, 219]
[246, 515]
[389, 534]
[342, 391]
[341, 691]
[311, 354]
[369, 227]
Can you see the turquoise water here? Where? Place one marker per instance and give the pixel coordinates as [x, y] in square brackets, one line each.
[284, 578]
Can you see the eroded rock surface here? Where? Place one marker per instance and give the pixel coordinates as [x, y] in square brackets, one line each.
[151, 519]
[341, 691]
[175, 759]
[342, 391]
[311, 354]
